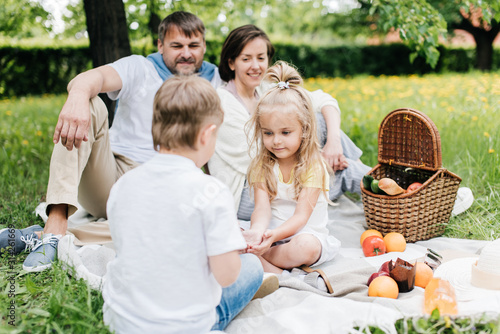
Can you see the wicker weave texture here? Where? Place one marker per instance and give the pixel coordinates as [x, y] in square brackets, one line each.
[408, 137]
[410, 151]
[419, 215]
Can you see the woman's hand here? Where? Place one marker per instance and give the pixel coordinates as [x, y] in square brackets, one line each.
[334, 155]
[264, 246]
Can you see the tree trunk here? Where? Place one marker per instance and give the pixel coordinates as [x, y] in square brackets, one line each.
[484, 51]
[484, 42]
[108, 36]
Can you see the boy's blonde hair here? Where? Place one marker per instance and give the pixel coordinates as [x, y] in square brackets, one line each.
[182, 105]
[294, 100]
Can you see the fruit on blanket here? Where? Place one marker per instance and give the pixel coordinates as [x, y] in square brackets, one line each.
[375, 275]
[414, 186]
[383, 286]
[390, 187]
[367, 234]
[367, 182]
[395, 242]
[440, 294]
[386, 266]
[423, 275]
[373, 246]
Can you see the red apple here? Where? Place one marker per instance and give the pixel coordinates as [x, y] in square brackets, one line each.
[377, 274]
[386, 266]
[414, 186]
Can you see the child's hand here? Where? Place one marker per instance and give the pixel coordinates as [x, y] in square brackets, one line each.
[252, 237]
[264, 246]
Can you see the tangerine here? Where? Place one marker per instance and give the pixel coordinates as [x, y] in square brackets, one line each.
[423, 274]
[369, 233]
[383, 286]
[395, 242]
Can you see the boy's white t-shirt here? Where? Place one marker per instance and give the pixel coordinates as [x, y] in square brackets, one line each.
[166, 217]
[130, 134]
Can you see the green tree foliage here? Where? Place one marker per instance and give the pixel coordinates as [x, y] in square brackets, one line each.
[421, 22]
[23, 19]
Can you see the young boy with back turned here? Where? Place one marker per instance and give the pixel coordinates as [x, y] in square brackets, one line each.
[176, 238]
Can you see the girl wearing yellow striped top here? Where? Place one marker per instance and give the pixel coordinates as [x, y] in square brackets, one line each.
[289, 180]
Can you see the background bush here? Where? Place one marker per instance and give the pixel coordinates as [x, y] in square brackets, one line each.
[25, 71]
[41, 70]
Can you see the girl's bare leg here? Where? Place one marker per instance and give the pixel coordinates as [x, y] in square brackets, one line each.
[301, 249]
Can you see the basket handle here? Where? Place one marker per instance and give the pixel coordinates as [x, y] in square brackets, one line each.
[408, 137]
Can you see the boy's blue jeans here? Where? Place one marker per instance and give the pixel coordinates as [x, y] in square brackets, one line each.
[236, 296]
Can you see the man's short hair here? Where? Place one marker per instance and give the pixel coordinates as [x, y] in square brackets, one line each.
[182, 105]
[188, 23]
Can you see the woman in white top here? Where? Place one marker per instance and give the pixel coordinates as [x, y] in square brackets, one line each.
[245, 57]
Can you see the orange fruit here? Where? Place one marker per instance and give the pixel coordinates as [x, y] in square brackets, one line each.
[383, 286]
[423, 274]
[369, 233]
[395, 242]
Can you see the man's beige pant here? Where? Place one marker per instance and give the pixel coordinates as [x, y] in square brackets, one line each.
[86, 175]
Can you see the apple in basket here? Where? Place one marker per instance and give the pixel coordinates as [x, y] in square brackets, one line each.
[414, 186]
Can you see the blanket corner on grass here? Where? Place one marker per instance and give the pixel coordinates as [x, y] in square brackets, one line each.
[296, 307]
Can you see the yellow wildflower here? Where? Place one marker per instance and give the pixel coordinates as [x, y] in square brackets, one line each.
[354, 120]
[39, 133]
[486, 134]
[25, 142]
[475, 118]
[491, 151]
[8, 112]
[469, 98]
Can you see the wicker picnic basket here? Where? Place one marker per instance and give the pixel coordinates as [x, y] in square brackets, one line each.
[409, 150]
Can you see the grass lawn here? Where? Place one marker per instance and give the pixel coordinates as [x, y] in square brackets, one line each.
[464, 107]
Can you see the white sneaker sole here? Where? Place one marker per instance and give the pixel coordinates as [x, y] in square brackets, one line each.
[270, 283]
[37, 268]
[464, 200]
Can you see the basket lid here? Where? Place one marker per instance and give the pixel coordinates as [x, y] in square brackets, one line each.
[408, 137]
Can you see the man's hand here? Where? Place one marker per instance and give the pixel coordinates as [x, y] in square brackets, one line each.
[74, 121]
[334, 155]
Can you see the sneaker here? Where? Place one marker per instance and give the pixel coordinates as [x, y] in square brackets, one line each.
[19, 240]
[43, 253]
[270, 283]
[463, 202]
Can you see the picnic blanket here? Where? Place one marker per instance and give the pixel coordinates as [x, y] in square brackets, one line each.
[298, 308]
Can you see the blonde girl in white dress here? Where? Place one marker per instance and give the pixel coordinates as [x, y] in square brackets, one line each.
[289, 179]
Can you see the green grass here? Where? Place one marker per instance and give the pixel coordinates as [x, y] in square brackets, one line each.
[465, 108]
